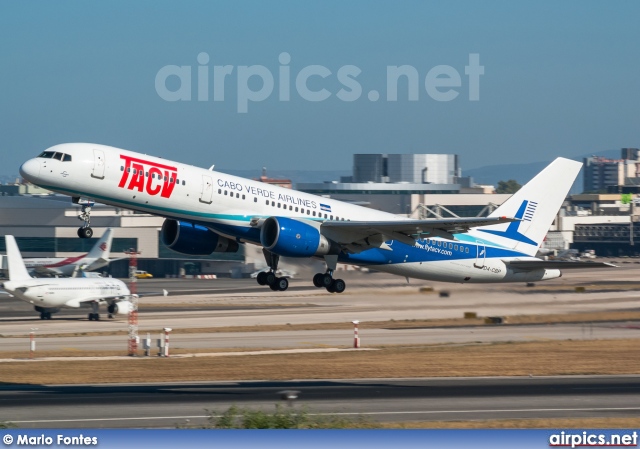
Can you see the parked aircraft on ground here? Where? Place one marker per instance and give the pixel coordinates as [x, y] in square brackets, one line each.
[207, 211]
[48, 295]
[98, 257]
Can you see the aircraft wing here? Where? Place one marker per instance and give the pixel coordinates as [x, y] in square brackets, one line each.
[78, 302]
[528, 265]
[361, 234]
[41, 269]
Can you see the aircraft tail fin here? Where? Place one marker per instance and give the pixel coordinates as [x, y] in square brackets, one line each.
[102, 248]
[17, 269]
[536, 205]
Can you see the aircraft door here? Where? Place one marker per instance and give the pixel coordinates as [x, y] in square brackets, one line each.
[481, 253]
[207, 189]
[98, 164]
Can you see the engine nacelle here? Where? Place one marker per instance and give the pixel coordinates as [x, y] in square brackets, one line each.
[47, 309]
[293, 238]
[195, 240]
[121, 308]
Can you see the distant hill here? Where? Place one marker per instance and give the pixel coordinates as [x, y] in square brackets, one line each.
[522, 173]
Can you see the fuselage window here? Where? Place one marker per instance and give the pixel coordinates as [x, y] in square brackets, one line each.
[290, 207]
[146, 174]
[314, 213]
[450, 245]
[242, 196]
[121, 168]
[219, 191]
[171, 180]
[267, 202]
[237, 195]
[67, 158]
[225, 192]
[183, 182]
[255, 199]
[308, 212]
[466, 250]
[325, 216]
[296, 208]
[438, 242]
[278, 205]
[455, 247]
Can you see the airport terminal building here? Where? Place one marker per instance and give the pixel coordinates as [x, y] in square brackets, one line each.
[46, 226]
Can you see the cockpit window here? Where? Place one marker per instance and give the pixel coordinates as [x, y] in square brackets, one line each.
[47, 154]
[58, 156]
[67, 158]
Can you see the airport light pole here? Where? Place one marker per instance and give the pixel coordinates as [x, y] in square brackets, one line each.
[356, 338]
[133, 312]
[32, 342]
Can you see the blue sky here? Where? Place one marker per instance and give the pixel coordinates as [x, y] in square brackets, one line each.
[560, 78]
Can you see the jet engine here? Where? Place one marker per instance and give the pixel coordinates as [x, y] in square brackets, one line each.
[195, 240]
[120, 307]
[293, 238]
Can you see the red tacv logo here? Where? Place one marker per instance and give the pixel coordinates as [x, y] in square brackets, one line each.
[160, 179]
[103, 246]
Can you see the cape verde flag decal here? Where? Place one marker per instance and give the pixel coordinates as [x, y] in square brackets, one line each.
[325, 207]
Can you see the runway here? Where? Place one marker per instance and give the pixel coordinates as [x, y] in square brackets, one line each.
[171, 405]
[209, 304]
[344, 338]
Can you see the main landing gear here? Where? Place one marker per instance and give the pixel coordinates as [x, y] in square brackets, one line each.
[269, 277]
[94, 316]
[85, 232]
[326, 279]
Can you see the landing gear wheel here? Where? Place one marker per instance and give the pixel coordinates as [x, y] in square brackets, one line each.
[327, 280]
[282, 284]
[274, 287]
[47, 315]
[338, 286]
[94, 317]
[330, 288]
[271, 278]
[43, 316]
[262, 278]
[317, 280]
[85, 233]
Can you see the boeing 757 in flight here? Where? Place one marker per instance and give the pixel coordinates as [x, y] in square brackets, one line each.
[207, 211]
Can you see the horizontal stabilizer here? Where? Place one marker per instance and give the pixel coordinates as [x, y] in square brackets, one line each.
[528, 265]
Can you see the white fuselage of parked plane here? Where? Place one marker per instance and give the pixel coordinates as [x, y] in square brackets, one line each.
[64, 292]
[231, 205]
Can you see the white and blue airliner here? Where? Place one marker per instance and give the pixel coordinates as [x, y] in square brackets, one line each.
[207, 211]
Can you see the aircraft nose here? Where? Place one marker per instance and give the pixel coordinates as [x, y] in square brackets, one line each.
[30, 170]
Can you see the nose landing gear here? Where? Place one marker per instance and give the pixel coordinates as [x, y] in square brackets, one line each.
[85, 232]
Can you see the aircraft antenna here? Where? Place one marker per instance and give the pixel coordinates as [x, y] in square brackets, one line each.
[133, 312]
